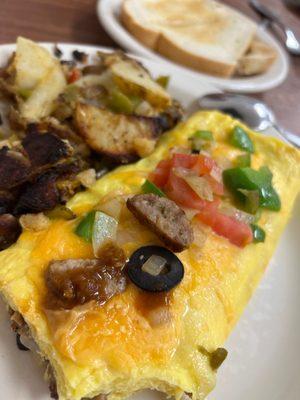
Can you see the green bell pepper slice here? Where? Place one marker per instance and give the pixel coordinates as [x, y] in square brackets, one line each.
[201, 139]
[239, 138]
[163, 81]
[85, 228]
[259, 235]
[120, 103]
[244, 160]
[204, 135]
[240, 179]
[149, 187]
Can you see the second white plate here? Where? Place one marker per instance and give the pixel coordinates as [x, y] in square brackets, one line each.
[108, 14]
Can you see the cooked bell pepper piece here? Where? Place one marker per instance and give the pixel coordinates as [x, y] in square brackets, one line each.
[240, 138]
[163, 81]
[75, 74]
[247, 178]
[204, 135]
[259, 234]
[85, 227]
[24, 93]
[149, 187]
[251, 200]
[120, 103]
[243, 160]
[200, 139]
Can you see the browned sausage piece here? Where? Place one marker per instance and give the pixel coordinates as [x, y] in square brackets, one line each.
[10, 230]
[164, 218]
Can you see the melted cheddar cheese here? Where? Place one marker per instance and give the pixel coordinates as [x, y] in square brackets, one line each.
[114, 349]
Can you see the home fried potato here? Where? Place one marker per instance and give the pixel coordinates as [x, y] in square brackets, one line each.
[133, 79]
[122, 137]
[38, 79]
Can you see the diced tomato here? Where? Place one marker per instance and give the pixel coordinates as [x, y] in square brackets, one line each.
[75, 74]
[180, 192]
[237, 232]
[203, 165]
[161, 174]
[184, 160]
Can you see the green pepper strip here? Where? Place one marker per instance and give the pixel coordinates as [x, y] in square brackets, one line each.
[149, 187]
[85, 228]
[120, 103]
[259, 235]
[204, 135]
[249, 179]
[243, 160]
[240, 138]
[163, 81]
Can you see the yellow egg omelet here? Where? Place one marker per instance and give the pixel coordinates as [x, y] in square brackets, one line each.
[114, 349]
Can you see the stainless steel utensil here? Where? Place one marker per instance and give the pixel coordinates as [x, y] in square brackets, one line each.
[255, 113]
[291, 42]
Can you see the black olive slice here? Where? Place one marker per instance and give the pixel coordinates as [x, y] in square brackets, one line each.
[163, 282]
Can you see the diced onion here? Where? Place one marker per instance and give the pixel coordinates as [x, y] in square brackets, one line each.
[104, 229]
[144, 108]
[113, 207]
[87, 177]
[237, 214]
[216, 173]
[154, 265]
[180, 150]
[200, 185]
[34, 222]
[190, 213]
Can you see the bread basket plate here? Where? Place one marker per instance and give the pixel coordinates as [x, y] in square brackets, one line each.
[263, 361]
[108, 14]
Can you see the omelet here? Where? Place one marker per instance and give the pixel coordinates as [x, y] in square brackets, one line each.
[115, 349]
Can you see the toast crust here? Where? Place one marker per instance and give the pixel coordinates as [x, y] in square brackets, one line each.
[257, 60]
[147, 36]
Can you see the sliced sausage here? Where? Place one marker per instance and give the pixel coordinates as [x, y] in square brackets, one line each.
[164, 218]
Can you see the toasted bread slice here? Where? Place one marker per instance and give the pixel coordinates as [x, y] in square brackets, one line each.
[204, 35]
[257, 60]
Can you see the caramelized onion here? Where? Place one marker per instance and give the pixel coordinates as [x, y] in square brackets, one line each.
[77, 281]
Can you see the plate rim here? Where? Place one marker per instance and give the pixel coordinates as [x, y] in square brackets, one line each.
[105, 12]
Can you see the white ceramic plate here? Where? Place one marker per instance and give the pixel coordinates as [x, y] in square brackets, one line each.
[264, 352]
[108, 14]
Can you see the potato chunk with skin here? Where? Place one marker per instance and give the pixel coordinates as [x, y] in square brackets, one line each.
[116, 135]
[41, 101]
[133, 79]
[37, 72]
[31, 63]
